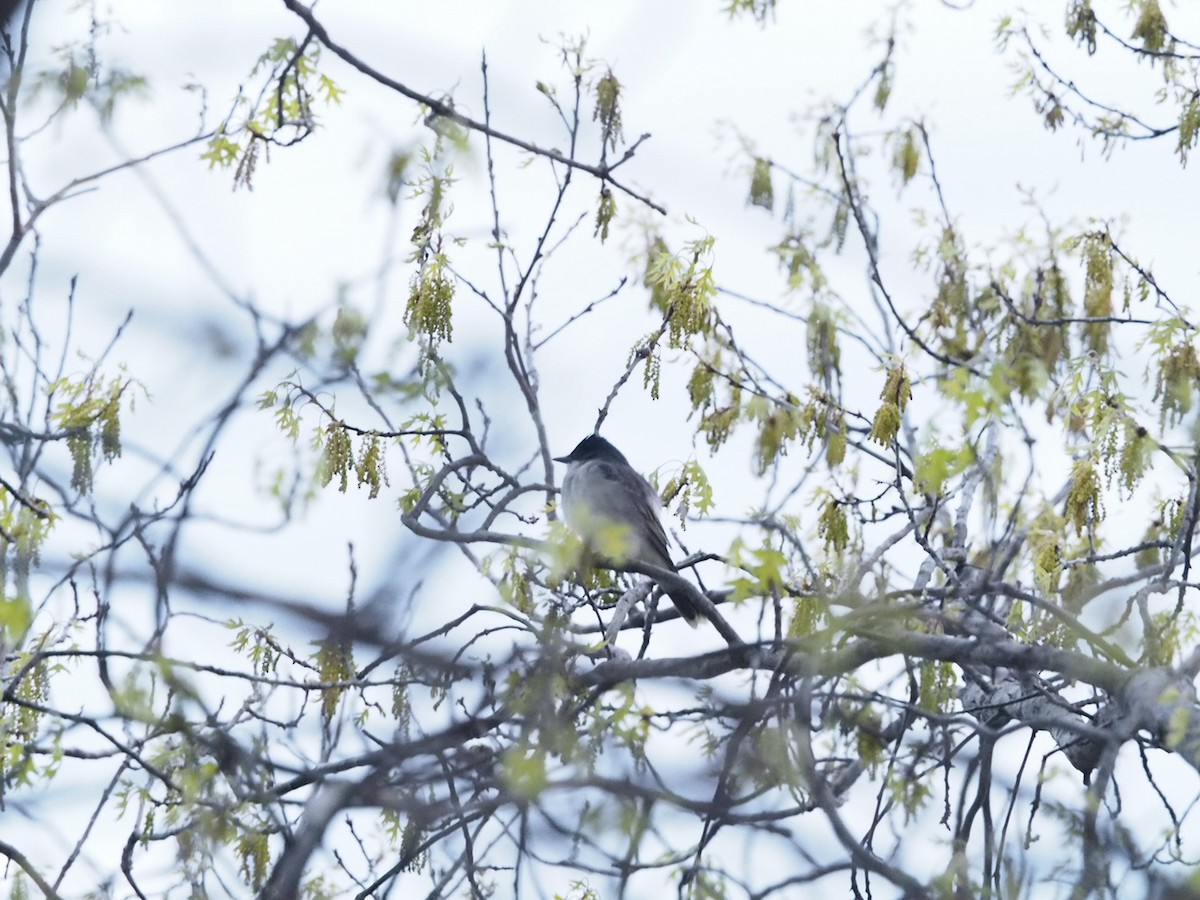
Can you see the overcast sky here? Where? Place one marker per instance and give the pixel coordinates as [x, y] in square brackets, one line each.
[316, 220]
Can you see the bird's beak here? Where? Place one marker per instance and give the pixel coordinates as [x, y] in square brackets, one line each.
[563, 459]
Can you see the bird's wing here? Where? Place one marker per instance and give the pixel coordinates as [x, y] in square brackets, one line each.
[628, 498]
[634, 501]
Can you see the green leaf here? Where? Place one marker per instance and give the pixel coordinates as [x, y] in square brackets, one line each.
[936, 466]
[761, 191]
[524, 771]
[221, 151]
[15, 618]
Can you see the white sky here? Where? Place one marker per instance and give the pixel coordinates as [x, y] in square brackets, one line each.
[315, 220]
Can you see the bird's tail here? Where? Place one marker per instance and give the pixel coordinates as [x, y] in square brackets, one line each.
[687, 607]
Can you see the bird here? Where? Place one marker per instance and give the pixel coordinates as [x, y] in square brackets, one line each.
[615, 511]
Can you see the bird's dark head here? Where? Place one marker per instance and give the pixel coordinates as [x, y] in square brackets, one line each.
[592, 447]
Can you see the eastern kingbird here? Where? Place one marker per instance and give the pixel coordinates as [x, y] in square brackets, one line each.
[615, 511]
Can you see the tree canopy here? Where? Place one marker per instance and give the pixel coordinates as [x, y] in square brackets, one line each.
[288, 349]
